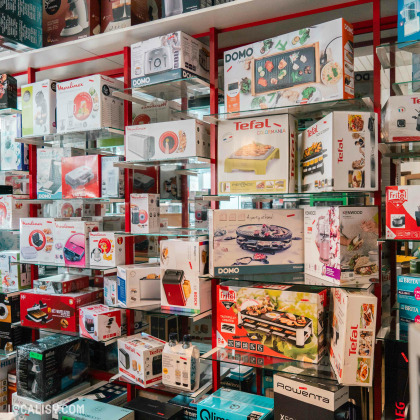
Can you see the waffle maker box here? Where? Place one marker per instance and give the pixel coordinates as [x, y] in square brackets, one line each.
[14, 155]
[61, 284]
[37, 239]
[168, 57]
[353, 336]
[12, 209]
[145, 213]
[140, 359]
[255, 241]
[257, 155]
[341, 243]
[14, 276]
[107, 249]
[339, 153]
[272, 320]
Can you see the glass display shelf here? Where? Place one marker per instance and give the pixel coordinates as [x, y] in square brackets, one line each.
[402, 53]
[385, 239]
[9, 111]
[406, 87]
[295, 195]
[105, 270]
[7, 356]
[391, 330]
[86, 200]
[400, 149]
[202, 162]
[175, 232]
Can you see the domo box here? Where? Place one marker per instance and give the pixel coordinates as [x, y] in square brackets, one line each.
[12, 209]
[257, 155]
[14, 155]
[107, 249]
[255, 241]
[37, 239]
[145, 213]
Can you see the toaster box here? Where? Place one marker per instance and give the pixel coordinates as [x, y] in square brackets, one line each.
[9, 308]
[257, 155]
[408, 20]
[14, 155]
[51, 365]
[12, 209]
[8, 91]
[55, 312]
[168, 57]
[341, 243]
[107, 249]
[87, 104]
[14, 276]
[313, 64]
[183, 264]
[145, 213]
[37, 239]
[112, 177]
[408, 289]
[273, 320]
[167, 140]
[38, 108]
[81, 176]
[61, 284]
[111, 290]
[88, 408]
[173, 8]
[339, 153]
[170, 183]
[140, 359]
[353, 336]
[99, 322]
[255, 241]
[137, 284]
[19, 183]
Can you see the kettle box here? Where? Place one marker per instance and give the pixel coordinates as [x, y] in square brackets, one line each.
[145, 213]
[12, 209]
[107, 249]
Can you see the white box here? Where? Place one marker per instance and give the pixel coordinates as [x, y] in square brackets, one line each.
[72, 208]
[37, 240]
[87, 104]
[168, 57]
[14, 276]
[154, 112]
[107, 249]
[38, 108]
[112, 177]
[14, 155]
[353, 336]
[257, 155]
[12, 209]
[110, 290]
[170, 182]
[140, 359]
[167, 140]
[114, 223]
[99, 322]
[201, 213]
[145, 213]
[340, 153]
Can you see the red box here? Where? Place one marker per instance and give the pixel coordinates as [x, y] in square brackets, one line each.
[55, 312]
[61, 284]
[81, 176]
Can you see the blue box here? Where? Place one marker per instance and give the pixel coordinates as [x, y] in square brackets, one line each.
[408, 314]
[408, 289]
[408, 20]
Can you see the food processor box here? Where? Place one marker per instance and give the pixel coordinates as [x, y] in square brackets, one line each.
[257, 155]
[38, 108]
[14, 156]
[112, 177]
[313, 64]
[14, 276]
[408, 289]
[61, 284]
[255, 241]
[408, 20]
[8, 87]
[353, 338]
[107, 249]
[145, 213]
[87, 104]
[12, 209]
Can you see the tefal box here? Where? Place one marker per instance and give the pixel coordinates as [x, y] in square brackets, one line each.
[12, 209]
[168, 57]
[55, 312]
[313, 64]
[8, 91]
[167, 140]
[14, 276]
[37, 239]
[140, 359]
[107, 249]
[145, 213]
[61, 284]
[273, 320]
[339, 153]
[14, 155]
[38, 108]
[112, 177]
[99, 322]
[341, 243]
[255, 241]
[87, 104]
[182, 263]
[353, 336]
[257, 155]
[408, 289]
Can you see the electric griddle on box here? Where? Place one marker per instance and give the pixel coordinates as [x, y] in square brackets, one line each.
[313, 163]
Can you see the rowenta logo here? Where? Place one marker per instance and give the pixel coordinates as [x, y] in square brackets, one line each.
[70, 86]
[303, 392]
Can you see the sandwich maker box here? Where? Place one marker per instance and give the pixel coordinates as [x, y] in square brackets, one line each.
[408, 289]
[12, 209]
[14, 155]
[107, 249]
[154, 410]
[10, 307]
[61, 284]
[14, 276]
[252, 319]
[145, 213]
[37, 239]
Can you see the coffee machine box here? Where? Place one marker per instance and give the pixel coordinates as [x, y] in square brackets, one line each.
[145, 213]
[8, 91]
[107, 249]
[14, 155]
[112, 177]
[176, 7]
[14, 276]
[61, 284]
[170, 183]
[12, 209]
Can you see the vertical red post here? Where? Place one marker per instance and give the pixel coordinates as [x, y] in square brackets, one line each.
[185, 222]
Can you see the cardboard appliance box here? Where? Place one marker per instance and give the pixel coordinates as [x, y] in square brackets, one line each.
[14, 276]
[407, 315]
[152, 112]
[110, 290]
[173, 8]
[19, 183]
[107, 249]
[112, 177]
[12, 209]
[408, 289]
[37, 239]
[10, 304]
[14, 155]
[154, 409]
[145, 213]
[61, 284]
[170, 183]
[88, 408]
[408, 20]
[12, 336]
[8, 91]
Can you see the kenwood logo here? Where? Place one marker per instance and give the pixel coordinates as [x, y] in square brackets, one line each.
[352, 212]
[303, 393]
[237, 55]
[206, 415]
[234, 270]
[70, 86]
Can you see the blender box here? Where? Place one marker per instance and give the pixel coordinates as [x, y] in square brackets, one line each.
[14, 276]
[107, 249]
[255, 241]
[183, 264]
[37, 239]
[140, 359]
[173, 8]
[112, 177]
[12, 209]
[353, 336]
[8, 91]
[87, 104]
[88, 408]
[99, 322]
[313, 64]
[110, 290]
[168, 57]
[257, 155]
[408, 20]
[81, 176]
[61, 284]
[408, 289]
[38, 108]
[138, 284]
[341, 243]
[170, 183]
[145, 213]
[339, 153]
[280, 321]
[55, 312]
[14, 155]
[167, 140]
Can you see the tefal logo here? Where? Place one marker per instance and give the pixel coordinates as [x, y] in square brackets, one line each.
[340, 150]
[397, 197]
[254, 124]
[416, 100]
[312, 131]
[353, 340]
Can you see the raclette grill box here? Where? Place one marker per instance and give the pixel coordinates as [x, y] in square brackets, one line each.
[146, 409]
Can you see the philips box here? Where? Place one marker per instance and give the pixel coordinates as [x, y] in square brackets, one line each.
[14, 276]
[14, 155]
[12, 209]
[87, 408]
[112, 177]
[408, 289]
[107, 249]
[145, 213]
[61, 284]
[37, 239]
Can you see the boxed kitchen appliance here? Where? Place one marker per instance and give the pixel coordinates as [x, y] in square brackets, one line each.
[341, 243]
[12, 336]
[111, 290]
[353, 336]
[107, 249]
[37, 239]
[168, 57]
[167, 140]
[19, 183]
[9, 308]
[12, 209]
[99, 322]
[140, 359]
[14, 155]
[170, 183]
[313, 64]
[408, 289]
[176, 7]
[145, 408]
[407, 315]
[256, 241]
[145, 213]
[55, 312]
[257, 155]
[201, 213]
[38, 108]
[112, 177]
[61, 284]
[152, 112]
[88, 408]
[8, 91]
[273, 320]
[408, 20]
[182, 262]
[340, 153]
[14, 276]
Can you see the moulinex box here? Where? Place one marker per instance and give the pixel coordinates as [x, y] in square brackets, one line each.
[13, 276]
[257, 155]
[107, 249]
[12, 209]
[37, 240]
[112, 177]
[145, 213]
[14, 155]
[313, 64]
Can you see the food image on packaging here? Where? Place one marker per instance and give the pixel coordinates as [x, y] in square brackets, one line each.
[367, 315]
[366, 343]
[356, 123]
[363, 370]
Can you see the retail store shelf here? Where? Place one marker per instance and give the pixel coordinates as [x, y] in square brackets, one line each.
[9, 111]
[175, 232]
[104, 270]
[385, 239]
[7, 356]
[203, 162]
[212, 198]
[300, 195]
[400, 150]
[391, 331]
[86, 200]
[406, 87]
[402, 53]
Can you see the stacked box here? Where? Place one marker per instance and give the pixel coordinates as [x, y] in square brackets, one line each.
[12, 209]
[14, 276]
[8, 91]
[37, 239]
[61, 284]
[112, 177]
[107, 249]
[14, 155]
[145, 213]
